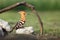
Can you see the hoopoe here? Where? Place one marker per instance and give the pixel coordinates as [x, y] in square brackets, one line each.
[22, 20]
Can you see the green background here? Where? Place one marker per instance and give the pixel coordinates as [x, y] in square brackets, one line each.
[39, 4]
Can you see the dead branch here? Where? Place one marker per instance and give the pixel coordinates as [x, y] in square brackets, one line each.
[11, 7]
[27, 5]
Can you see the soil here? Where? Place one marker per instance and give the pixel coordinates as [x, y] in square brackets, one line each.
[29, 37]
[19, 37]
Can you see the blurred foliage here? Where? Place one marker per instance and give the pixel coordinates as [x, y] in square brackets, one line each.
[39, 4]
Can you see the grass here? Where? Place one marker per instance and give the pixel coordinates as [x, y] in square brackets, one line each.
[50, 20]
